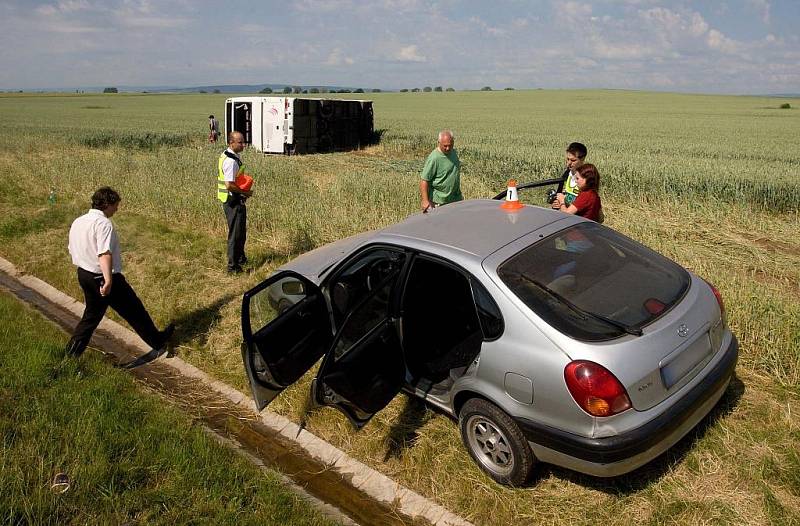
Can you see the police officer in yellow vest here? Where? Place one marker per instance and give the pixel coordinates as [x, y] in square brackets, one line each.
[233, 201]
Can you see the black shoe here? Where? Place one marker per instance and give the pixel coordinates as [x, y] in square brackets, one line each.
[75, 347]
[235, 270]
[166, 334]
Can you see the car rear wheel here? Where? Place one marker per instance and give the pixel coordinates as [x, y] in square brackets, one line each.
[495, 442]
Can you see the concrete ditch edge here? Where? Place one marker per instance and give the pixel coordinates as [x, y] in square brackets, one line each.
[377, 485]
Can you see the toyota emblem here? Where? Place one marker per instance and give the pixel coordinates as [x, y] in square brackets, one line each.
[683, 330]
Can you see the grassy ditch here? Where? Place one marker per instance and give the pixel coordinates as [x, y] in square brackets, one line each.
[128, 457]
[682, 174]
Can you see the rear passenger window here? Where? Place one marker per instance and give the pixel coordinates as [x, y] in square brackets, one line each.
[488, 312]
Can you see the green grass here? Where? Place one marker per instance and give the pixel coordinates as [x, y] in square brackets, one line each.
[129, 458]
[712, 182]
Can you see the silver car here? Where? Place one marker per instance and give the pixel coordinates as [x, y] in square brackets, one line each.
[548, 337]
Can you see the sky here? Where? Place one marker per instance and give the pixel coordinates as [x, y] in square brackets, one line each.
[734, 47]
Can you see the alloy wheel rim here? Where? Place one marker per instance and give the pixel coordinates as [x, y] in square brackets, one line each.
[490, 445]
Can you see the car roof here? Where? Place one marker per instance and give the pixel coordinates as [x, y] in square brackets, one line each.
[477, 226]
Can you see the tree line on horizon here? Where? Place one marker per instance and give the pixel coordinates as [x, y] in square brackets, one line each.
[299, 90]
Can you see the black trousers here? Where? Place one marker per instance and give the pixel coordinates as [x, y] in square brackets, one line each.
[236, 216]
[123, 300]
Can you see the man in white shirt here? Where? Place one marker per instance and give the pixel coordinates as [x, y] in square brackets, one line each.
[94, 247]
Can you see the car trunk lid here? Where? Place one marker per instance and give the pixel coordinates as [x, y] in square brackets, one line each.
[670, 352]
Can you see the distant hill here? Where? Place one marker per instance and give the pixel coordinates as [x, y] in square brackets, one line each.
[249, 88]
[229, 88]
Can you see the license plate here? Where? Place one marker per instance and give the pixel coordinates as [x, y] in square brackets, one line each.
[691, 358]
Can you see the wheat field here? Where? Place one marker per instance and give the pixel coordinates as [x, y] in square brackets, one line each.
[712, 182]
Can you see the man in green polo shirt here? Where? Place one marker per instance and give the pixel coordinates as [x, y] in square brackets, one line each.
[440, 183]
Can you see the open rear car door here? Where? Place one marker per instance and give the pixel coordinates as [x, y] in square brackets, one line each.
[286, 329]
[365, 369]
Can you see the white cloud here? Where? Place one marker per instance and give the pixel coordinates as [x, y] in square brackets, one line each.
[72, 29]
[716, 40]
[522, 23]
[574, 10]
[142, 14]
[762, 6]
[698, 26]
[153, 22]
[410, 54]
[399, 5]
[621, 51]
[486, 28]
[316, 6]
[62, 7]
[253, 28]
[336, 58]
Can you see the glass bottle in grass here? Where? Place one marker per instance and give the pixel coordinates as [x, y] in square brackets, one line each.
[51, 199]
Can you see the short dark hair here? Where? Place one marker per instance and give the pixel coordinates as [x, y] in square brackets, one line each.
[577, 149]
[589, 172]
[210, 116]
[105, 197]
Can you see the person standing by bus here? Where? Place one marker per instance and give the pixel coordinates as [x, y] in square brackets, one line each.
[213, 128]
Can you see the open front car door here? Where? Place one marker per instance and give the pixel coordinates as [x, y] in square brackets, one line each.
[286, 329]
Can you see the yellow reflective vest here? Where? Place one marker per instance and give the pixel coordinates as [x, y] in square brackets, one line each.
[571, 189]
[222, 191]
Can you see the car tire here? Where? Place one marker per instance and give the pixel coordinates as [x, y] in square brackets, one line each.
[495, 442]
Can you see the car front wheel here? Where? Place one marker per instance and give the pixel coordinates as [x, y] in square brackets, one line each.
[495, 442]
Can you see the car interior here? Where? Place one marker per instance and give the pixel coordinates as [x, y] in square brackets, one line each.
[440, 326]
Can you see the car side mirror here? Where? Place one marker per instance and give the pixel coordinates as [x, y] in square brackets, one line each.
[293, 287]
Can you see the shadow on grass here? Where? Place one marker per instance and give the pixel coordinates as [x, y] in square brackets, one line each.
[654, 470]
[196, 323]
[301, 242]
[403, 432]
[376, 136]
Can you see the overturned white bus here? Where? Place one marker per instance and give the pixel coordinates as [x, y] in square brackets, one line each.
[291, 125]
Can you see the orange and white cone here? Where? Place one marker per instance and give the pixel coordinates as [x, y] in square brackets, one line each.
[512, 198]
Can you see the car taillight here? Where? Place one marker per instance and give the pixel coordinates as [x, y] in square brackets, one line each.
[595, 389]
[719, 299]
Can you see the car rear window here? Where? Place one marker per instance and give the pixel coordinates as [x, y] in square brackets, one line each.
[593, 283]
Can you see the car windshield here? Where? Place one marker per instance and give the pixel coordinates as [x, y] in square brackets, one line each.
[592, 283]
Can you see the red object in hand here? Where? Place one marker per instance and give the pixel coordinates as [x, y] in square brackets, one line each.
[244, 182]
